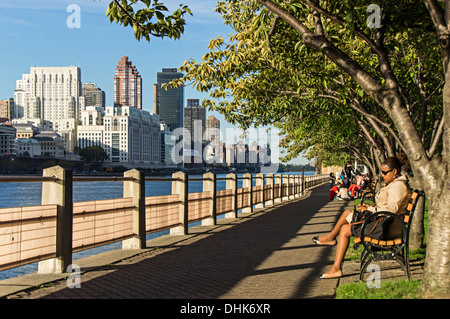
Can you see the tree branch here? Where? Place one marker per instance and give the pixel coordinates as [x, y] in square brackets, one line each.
[361, 76]
[378, 49]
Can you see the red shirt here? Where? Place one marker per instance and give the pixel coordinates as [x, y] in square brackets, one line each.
[333, 192]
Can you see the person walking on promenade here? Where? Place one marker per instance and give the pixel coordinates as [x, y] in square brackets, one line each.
[393, 197]
[347, 174]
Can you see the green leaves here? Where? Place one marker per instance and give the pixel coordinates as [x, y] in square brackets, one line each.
[143, 20]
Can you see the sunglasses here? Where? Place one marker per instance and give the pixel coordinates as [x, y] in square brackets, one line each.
[385, 172]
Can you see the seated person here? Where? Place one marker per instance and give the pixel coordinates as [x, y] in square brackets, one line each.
[335, 190]
[393, 197]
[343, 193]
[355, 188]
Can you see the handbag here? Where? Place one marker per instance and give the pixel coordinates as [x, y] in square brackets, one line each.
[377, 228]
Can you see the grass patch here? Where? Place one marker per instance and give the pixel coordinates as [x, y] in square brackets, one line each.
[399, 289]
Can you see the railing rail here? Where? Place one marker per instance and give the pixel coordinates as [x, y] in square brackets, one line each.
[60, 227]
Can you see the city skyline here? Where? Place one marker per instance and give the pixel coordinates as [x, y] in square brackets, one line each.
[96, 45]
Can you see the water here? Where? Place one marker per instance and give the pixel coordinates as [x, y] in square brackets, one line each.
[29, 194]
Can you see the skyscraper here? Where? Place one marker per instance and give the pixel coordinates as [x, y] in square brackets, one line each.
[93, 95]
[212, 129]
[52, 96]
[127, 85]
[195, 120]
[50, 93]
[169, 103]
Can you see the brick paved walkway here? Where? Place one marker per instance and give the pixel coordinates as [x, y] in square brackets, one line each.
[268, 255]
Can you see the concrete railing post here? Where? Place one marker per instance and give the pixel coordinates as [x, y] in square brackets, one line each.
[303, 182]
[285, 182]
[297, 186]
[231, 185]
[270, 183]
[209, 185]
[180, 187]
[277, 183]
[291, 187]
[136, 190]
[260, 183]
[60, 193]
[247, 182]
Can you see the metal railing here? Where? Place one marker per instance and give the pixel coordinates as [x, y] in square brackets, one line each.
[51, 232]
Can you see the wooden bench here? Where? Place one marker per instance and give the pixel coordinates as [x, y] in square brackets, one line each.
[390, 249]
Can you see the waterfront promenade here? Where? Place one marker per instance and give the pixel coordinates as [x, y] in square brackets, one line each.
[267, 254]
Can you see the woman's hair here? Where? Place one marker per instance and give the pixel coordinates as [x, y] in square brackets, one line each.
[394, 162]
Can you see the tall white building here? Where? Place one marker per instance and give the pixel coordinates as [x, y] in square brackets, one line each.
[127, 134]
[52, 94]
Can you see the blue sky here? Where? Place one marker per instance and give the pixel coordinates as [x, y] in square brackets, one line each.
[35, 33]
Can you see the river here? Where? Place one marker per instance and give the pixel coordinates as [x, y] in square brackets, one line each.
[29, 194]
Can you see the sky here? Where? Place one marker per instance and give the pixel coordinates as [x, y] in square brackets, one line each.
[36, 33]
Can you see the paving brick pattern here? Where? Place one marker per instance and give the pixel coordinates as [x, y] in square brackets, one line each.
[266, 255]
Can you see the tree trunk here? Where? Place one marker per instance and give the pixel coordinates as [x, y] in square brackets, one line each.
[436, 279]
[417, 231]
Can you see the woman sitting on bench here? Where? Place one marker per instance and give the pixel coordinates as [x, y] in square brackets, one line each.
[393, 198]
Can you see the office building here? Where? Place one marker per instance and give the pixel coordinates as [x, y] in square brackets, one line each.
[7, 138]
[195, 121]
[91, 131]
[93, 95]
[25, 130]
[127, 85]
[27, 147]
[51, 144]
[50, 93]
[128, 135]
[7, 108]
[212, 129]
[168, 104]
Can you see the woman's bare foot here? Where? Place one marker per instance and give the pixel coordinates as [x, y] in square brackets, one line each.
[331, 274]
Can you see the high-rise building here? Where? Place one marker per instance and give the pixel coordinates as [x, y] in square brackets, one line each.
[168, 104]
[127, 85]
[50, 93]
[212, 128]
[93, 95]
[195, 120]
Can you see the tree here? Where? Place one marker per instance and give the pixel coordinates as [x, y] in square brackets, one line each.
[93, 154]
[432, 172]
[287, 56]
[171, 26]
